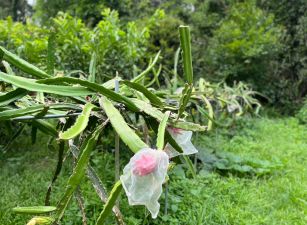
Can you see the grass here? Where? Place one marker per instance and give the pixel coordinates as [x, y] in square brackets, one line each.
[278, 198]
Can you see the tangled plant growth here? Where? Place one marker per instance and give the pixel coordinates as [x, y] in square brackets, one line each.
[114, 47]
[85, 107]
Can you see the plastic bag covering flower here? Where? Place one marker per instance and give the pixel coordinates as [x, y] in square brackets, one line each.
[143, 178]
[183, 139]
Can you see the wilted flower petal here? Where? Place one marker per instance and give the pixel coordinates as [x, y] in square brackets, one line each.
[143, 178]
[183, 139]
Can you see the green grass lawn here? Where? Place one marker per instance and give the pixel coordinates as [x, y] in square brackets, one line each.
[278, 198]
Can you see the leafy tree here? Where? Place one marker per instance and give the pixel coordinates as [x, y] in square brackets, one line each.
[290, 69]
[18, 9]
[244, 44]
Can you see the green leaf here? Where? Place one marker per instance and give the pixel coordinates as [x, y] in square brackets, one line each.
[92, 69]
[13, 113]
[161, 131]
[110, 84]
[210, 110]
[204, 113]
[22, 64]
[45, 127]
[127, 135]
[41, 220]
[11, 96]
[51, 52]
[110, 203]
[80, 124]
[94, 87]
[79, 171]
[190, 165]
[56, 172]
[140, 77]
[184, 99]
[98, 186]
[157, 114]
[8, 68]
[34, 209]
[31, 85]
[175, 79]
[185, 43]
[148, 94]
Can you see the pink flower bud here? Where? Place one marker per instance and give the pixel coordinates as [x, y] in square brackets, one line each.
[144, 165]
[143, 177]
[175, 131]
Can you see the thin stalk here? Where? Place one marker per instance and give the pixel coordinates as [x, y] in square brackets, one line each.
[175, 84]
[80, 201]
[117, 162]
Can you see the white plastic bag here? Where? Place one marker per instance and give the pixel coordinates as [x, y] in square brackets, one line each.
[183, 139]
[143, 178]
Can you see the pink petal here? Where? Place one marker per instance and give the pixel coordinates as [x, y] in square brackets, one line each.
[144, 165]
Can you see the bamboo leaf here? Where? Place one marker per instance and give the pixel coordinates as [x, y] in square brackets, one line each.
[78, 173]
[94, 87]
[11, 96]
[34, 209]
[31, 85]
[148, 94]
[80, 124]
[127, 135]
[161, 131]
[22, 64]
[110, 203]
[185, 43]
